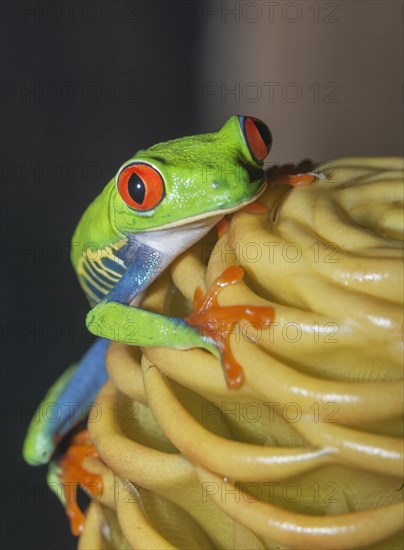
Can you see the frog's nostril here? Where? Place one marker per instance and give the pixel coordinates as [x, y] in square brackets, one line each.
[257, 135]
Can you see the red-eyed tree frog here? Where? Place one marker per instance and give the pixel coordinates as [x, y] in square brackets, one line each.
[160, 203]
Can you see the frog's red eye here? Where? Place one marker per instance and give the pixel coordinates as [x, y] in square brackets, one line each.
[257, 135]
[140, 186]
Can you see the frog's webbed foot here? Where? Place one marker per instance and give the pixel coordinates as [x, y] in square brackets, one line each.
[68, 473]
[216, 322]
[298, 180]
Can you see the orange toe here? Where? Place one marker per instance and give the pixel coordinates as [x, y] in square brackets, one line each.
[217, 321]
[222, 226]
[255, 208]
[295, 180]
[73, 475]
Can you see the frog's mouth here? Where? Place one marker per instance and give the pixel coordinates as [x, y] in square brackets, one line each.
[217, 213]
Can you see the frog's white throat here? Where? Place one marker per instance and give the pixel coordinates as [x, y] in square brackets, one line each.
[167, 244]
[173, 241]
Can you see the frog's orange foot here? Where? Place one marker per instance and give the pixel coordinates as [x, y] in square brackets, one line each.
[217, 322]
[295, 180]
[255, 208]
[73, 475]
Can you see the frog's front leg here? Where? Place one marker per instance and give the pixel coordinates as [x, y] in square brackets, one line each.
[66, 404]
[114, 318]
[138, 327]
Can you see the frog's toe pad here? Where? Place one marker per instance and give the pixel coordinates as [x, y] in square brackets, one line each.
[216, 322]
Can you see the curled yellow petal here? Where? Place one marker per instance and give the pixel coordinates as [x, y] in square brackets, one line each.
[307, 453]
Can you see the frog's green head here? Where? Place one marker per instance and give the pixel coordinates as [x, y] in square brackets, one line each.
[191, 178]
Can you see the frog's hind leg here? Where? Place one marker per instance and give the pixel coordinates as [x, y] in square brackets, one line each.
[83, 387]
[67, 403]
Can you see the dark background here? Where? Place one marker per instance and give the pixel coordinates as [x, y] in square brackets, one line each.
[131, 75]
[84, 87]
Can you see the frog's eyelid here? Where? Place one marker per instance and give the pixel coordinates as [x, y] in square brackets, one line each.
[133, 162]
[257, 136]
